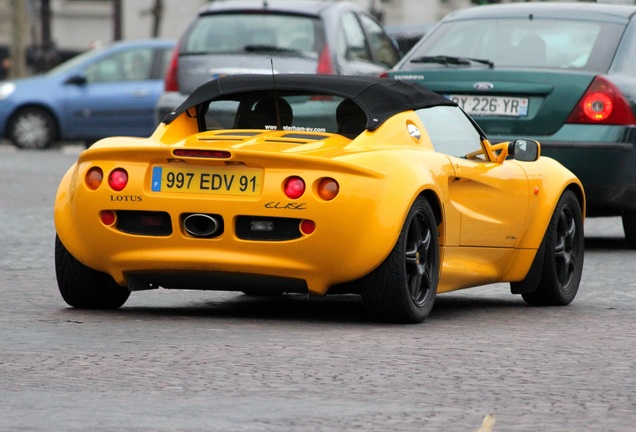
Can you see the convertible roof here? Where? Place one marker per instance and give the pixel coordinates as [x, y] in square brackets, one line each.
[380, 98]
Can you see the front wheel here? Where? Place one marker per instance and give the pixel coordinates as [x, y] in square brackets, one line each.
[85, 288]
[32, 128]
[403, 288]
[559, 275]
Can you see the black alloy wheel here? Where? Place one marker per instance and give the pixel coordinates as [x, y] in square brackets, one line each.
[403, 288]
[562, 267]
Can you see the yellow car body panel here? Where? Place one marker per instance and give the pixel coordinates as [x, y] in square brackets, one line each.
[307, 258]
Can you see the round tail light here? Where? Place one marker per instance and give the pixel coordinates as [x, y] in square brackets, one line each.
[597, 106]
[108, 217]
[94, 177]
[118, 179]
[294, 187]
[307, 226]
[328, 189]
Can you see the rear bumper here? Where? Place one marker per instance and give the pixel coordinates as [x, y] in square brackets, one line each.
[255, 243]
[583, 145]
[607, 171]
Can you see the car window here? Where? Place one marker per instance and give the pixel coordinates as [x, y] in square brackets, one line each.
[240, 32]
[131, 65]
[625, 61]
[551, 43]
[162, 61]
[450, 131]
[78, 60]
[352, 41]
[383, 50]
[297, 113]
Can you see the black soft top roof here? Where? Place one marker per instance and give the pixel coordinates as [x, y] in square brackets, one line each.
[379, 98]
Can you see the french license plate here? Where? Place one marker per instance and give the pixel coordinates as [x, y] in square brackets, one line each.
[491, 105]
[207, 180]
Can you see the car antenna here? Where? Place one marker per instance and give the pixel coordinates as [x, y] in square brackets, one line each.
[278, 125]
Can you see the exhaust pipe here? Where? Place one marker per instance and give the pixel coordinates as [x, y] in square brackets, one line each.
[201, 225]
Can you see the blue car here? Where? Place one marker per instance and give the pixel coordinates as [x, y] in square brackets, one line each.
[109, 90]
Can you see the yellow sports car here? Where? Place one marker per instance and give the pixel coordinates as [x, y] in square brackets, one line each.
[318, 184]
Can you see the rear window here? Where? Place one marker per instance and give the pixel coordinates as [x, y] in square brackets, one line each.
[295, 113]
[233, 33]
[525, 43]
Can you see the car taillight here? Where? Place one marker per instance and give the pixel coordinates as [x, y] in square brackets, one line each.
[108, 217]
[94, 177]
[171, 79]
[325, 66]
[384, 74]
[307, 226]
[328, 189]
[294, 187]
[118, 179]
[602, 103]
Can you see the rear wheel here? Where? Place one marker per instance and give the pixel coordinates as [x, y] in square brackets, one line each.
[32, 128]
[559, 275]
[629, 226]
[403, 288]
[83, 287]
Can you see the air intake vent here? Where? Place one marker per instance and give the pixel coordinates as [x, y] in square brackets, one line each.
[267, 228]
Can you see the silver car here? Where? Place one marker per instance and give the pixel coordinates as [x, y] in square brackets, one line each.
[231, 37]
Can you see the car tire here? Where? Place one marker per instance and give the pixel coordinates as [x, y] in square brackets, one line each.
[629, 226]
[83, 287]
[32, 128]
[403, 288]
[559, 274]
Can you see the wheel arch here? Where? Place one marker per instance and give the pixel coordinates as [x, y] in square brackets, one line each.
[433, 200]
[436, 205]
[541, 213]
[397, 210]
[580, 195]
[548, 180]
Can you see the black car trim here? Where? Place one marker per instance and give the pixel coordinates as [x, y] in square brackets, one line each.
[588, 145]
[379, 98]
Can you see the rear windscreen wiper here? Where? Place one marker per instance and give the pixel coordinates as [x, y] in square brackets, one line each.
[271, 49]
[450, 60]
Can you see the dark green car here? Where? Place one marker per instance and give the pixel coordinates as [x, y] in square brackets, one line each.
[561, 73]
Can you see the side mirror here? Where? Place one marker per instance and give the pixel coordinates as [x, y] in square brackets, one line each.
[525, 150]
[76, 80]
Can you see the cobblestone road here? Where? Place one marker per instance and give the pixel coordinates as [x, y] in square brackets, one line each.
[201, 361]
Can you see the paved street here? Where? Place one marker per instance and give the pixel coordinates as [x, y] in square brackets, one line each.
[205, 361]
